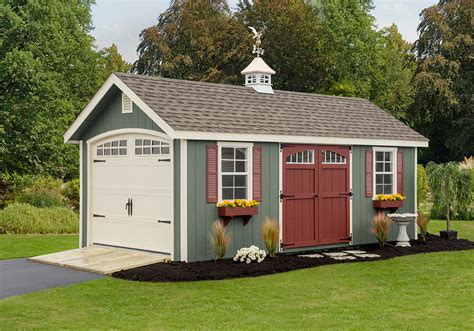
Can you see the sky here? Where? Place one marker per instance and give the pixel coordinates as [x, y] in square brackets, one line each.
[121, 21]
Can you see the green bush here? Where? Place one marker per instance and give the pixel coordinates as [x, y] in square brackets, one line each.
[421, 184]
[22, 218]
[70, 191]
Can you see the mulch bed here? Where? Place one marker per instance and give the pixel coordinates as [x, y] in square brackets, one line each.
[226, 269]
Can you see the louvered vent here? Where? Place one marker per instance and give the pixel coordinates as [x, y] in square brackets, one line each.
[126, 104]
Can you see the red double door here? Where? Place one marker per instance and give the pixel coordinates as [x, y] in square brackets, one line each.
[316, 195]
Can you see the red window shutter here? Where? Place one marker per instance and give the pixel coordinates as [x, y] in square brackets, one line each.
[211, 173]
[257, 173]
[400, 171]
[369, 173]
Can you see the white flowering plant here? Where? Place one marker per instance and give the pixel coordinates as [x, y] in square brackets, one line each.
[250, 254]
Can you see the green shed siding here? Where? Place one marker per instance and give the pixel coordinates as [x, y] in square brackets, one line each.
[362, 207]
[201, 214]
[108, 117]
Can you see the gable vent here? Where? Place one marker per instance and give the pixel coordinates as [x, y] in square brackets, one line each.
[126, 104]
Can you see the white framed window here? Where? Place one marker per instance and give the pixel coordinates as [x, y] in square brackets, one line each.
[329, 157]
[265, 79]
[234, 170]
[112, 148]
[127, 104]
[251, 79]
[385, 165]
[144, 146]
[303, 157]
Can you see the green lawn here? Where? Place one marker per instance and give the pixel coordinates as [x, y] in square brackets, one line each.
[427, 291]
[16, 246]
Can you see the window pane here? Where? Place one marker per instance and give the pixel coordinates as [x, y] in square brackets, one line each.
[379, 156]
[388, 156]
[155, 150]
[378, 179]
[241, 180]
[300, 157]
[227, 193]
[379, 189]
[165, 150]
[388, 166]
[100, 152]
[227, 166]
[138, 142]
[240, 193]
[115, 143]
[123, 151]
[115, 151]
[147, 142]
[107, 145]
[379, 166]
[240, 166]
[123, 143]
[106, 151]
[387, 179]
[138, 151]
[227, 181]
[387, 189]
[155, 142]
[227, 153]
[146, 150]
[240, 153]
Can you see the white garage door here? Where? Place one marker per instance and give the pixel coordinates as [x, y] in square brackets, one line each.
[131, 194]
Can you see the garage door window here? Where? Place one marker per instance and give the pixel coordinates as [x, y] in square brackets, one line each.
[151, 147]
[112, 148]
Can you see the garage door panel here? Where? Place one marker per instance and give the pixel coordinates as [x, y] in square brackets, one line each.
[144, 179]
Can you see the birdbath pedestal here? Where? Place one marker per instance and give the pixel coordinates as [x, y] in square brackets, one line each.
[403, 220]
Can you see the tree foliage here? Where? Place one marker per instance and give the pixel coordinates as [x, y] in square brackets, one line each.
[112, 60]
[443, 108]
[49, 69]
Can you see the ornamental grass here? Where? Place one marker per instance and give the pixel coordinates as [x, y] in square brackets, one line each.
[381, 227]
[270, 235]
[220, 239]
[422, 222]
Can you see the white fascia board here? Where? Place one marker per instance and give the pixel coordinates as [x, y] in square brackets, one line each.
[114, 80]
[192, 135]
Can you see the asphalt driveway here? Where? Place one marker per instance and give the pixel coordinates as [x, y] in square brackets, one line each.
[22, 276]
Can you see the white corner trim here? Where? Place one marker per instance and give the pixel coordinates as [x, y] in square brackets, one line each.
[249, 172]
[280, 190]
[184, 200]
[351, 198]
[114, 80]
[81, 190]
[416, 191]
[394, 169]
[244, 137]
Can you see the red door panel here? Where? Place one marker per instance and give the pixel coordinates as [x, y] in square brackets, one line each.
[315, 195]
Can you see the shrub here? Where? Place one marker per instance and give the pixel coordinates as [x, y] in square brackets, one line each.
[451, 189]
[381, 227]
[71, 190]
[250, 254]
[422, 221]
[270, 235]
[421, 184]
[22, 218]
[220, 239]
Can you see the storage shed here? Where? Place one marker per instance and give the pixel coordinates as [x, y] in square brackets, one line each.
[157, 154]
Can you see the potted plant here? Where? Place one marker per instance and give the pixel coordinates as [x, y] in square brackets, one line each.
[228, 209]
[388, 201]
[451, 189]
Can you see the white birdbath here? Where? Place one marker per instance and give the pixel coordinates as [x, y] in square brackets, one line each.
[403, 220]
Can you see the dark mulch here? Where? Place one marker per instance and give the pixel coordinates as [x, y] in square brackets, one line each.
[225, 269]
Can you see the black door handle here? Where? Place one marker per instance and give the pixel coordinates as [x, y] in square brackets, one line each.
[348, 193]
[286, 196]
[131, 207]
[161, 221]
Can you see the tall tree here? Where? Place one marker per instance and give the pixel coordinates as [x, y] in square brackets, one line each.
[443, 107]
[392, 89]
[48, 71]
[113, 61]
[195, 40]
[292, 41]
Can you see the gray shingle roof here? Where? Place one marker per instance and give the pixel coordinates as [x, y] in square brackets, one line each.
[208, 107]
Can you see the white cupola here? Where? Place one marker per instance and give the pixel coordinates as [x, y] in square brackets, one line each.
[258, 74]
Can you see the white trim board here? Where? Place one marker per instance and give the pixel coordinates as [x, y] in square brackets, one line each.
[184, 200]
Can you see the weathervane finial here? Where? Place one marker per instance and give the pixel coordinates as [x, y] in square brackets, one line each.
[257, 49]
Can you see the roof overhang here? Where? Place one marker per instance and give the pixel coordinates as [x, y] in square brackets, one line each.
[111, 81]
